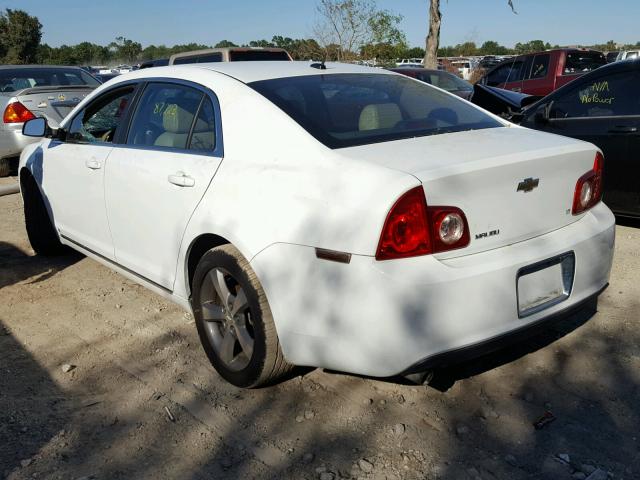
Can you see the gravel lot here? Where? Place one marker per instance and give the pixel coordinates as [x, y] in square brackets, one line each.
[101, 379]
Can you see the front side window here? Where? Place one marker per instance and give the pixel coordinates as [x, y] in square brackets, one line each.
[343, 110]
[100, 120]
[612, 95]
[540, 66]
[166, 117]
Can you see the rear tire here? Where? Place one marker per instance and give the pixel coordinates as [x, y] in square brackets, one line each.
[5, 167]
[42, 235]
[238, 334]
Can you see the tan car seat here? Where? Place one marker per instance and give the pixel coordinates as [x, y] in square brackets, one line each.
[177, 122]
[380, 115]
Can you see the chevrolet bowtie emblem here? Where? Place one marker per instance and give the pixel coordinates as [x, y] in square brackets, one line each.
[528, 184]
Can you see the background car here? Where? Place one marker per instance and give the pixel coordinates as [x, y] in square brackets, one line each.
[502, 102]
[29, 91]
[105, 77]
[160, 62]
[396, 227]
[230, 54]
[444, 80]
[543, 72]
[627, 55]
[602, 107]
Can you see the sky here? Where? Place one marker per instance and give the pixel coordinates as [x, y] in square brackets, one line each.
[169, 22]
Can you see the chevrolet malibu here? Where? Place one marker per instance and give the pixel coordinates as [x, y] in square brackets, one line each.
[322, 215]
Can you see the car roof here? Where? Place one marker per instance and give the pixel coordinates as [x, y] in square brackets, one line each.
[254, 71]
[30, 67]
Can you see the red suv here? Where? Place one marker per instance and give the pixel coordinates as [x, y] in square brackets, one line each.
[543, 72]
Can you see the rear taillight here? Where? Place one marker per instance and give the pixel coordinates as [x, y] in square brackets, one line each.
[17, 113]
[588, 190]
[412, 229]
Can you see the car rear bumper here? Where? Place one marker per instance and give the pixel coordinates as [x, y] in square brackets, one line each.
[385, 318]
[12, 141]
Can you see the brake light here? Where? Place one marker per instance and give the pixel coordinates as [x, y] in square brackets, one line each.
[588, 190]
[17, 113]
[413, 229]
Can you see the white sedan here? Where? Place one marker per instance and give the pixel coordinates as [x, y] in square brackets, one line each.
[322, 215]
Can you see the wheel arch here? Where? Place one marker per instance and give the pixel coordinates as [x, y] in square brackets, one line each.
[198, 247]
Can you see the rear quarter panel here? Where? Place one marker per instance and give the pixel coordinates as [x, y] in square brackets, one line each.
[277, 184]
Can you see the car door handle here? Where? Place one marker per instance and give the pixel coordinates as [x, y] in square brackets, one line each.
[623, 129]
[516, 90]
[93, 164]
[181, 180]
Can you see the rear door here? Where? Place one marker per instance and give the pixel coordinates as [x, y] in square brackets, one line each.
[154, 182]
[606, 112]
[73, 177]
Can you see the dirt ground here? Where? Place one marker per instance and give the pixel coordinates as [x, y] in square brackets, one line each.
[101, 379]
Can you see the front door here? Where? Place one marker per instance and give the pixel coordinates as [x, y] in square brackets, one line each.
[155, 181]
[75, 168]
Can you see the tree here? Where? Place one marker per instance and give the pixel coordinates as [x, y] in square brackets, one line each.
[225, 44]
[351, 24]
[125, 49]
[433, 37]
[20, 35]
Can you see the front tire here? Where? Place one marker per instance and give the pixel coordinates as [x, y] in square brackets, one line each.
[42, 235]
[234, 320]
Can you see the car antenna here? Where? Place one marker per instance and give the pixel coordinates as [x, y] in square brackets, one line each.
[320, 65]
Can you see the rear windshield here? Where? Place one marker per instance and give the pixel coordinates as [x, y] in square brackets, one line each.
[19, 79]
[256, 55]
[344, 110]
[445, 81]
[582, 62]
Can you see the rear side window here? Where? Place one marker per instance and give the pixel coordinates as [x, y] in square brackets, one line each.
[581, 62]
[540, 67]
[206, 58]
[632, 55]
[166, 117]
[256, 55]
[344, 110]
[517, 71]
[499, 75]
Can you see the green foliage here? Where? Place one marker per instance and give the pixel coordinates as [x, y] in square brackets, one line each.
[20, 35]
[125, 49]
[225, 44]
[354, 25]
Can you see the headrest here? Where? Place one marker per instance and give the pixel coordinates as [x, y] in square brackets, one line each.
[176, 119]
[380, 115]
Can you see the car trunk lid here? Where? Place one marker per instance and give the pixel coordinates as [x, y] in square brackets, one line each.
[512, 183]
[55, 103]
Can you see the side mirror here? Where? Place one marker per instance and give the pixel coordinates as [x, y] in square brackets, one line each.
[541, 116]
[36, 127]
